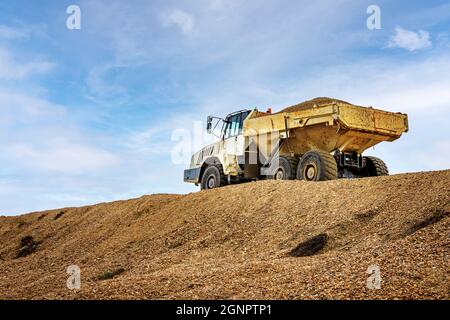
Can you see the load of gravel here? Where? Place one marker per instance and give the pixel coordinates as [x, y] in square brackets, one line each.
[310, 103]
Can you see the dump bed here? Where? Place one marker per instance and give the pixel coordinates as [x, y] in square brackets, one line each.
[372, 120]
[330, 126]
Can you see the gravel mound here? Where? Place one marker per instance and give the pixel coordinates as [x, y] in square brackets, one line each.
[261, 240]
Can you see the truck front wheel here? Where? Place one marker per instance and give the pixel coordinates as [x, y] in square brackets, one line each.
[213, 177]
[317, 166]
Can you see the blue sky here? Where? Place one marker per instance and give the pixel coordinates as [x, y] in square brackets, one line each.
[94, 114]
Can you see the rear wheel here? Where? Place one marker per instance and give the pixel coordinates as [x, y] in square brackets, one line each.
[375, 167]
[317, 166]
[213, 177]
[285, 169]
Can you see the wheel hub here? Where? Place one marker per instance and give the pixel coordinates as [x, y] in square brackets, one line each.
[279, 175]
[211, 182]
[310, 172]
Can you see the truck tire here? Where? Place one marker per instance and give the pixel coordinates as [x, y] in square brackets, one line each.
[286, 169]
[317, 166]
[375, 167]
[213, 177]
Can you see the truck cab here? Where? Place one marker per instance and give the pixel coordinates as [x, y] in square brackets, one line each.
[223, 161]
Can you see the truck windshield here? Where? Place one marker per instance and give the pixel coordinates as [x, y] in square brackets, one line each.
[235, 124]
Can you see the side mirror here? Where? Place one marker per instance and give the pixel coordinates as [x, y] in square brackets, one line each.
[209, 124]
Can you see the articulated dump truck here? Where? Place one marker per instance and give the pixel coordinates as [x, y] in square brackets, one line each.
[313, 141]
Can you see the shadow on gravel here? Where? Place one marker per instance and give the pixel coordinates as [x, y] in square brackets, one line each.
[310, 246]
[111, 274]
[436, 217]
[27, 246]
[59, 215]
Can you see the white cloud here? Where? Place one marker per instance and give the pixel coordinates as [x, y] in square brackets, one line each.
[441, 155]
[60, 156]
[417, 86]
[221, 4]
[410, 40]
[149, 141]
[11, 69]
[102, 89]
[180, 129]
[45, 138]
[8, 33]
[181, 19]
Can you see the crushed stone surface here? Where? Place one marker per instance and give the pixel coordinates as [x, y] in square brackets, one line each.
[234, 243]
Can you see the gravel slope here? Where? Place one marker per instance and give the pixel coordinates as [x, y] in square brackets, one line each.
[234, 243]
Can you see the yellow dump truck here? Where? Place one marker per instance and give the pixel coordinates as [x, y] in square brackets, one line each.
[313, 142]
